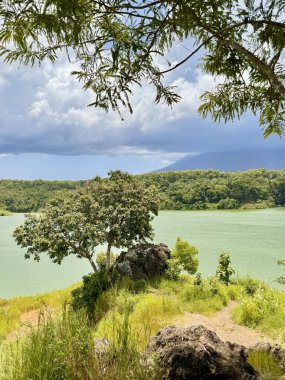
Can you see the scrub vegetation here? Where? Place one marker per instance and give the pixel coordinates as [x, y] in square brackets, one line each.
[128, 314]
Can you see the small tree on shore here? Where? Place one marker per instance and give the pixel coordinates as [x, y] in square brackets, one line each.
[224, 270]
[183, 258]
[116, 211]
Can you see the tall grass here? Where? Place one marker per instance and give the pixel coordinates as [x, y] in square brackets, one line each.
[62, 348]
[12, 309]
[56, 349]
[266, 365]
[264, 310]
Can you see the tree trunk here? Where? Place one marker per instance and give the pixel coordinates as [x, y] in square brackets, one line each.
[93, 264]
[108, 256]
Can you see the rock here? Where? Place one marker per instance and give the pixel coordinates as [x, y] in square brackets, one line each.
[143, 261]
[101, 346]
[196, 353]
[276, 351]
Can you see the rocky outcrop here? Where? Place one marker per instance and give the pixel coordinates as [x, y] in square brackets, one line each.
[196, 353]
[143, 261]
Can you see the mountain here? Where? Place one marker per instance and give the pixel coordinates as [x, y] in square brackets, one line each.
[232, 161]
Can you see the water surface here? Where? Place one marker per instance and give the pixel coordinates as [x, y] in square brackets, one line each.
[255, 240]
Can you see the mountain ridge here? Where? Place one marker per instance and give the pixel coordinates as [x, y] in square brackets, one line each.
[231, 161]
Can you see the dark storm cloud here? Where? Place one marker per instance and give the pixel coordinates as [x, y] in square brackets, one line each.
[44, 111]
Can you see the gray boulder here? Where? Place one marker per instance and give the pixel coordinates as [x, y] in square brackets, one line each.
[143, 261]
[196, 353]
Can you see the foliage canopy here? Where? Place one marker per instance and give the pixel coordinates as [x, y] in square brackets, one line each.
[117, 44]
[191, 189]
[115, 211]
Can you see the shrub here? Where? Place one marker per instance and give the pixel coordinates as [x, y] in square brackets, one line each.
[183, 258]
[86, 296]
[250, 286]
[224, 270]
[198, 280]
[259, 307]
[228, 203]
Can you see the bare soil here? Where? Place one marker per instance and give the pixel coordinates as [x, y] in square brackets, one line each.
[29, 319]
[222, 324]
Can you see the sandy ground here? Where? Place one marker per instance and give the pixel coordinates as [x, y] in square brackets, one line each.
[28, 320]
[222, 324]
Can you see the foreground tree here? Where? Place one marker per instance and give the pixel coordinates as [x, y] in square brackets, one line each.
[117, 211]
[117, 44]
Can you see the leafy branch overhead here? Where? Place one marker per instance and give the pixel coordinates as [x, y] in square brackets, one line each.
[117, 43]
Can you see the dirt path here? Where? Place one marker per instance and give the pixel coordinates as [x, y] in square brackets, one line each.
[222, 324]
[28, 320]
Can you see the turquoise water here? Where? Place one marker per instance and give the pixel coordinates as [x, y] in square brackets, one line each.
[255, 240]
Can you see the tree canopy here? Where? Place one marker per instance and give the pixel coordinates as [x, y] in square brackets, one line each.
[117, 44]
[115, 211]
[189, 189]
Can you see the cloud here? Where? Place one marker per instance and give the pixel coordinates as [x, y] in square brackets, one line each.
[44, 110]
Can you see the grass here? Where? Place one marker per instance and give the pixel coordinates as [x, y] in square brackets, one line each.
[128, 315]
[263, 309]
[12, 309]
[266, 365]
[63, 348]
[158, 305]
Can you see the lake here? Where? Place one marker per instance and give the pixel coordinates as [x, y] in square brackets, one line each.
[255, 240]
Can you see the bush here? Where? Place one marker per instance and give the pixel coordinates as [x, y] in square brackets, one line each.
[259, 307]
[198, 280]
[85, 297]
[224, 270]
[183, 258]
[250, 286]
[228, 203]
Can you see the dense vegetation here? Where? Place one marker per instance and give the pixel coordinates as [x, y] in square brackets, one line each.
[191, 189]
[201, 189]
[28, 196]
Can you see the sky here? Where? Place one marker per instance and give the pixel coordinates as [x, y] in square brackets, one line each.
[47, 131]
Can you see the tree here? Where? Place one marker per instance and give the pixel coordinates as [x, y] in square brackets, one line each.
[117, 44]
[183, 258]
[224, 270]
[116, 210]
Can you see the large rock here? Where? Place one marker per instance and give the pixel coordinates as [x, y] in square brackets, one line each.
[196, 353]
[143, 261]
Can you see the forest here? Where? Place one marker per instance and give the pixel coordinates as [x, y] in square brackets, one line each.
[189, 190]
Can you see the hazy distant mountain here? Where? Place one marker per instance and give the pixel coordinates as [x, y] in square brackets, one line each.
[231, 161]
